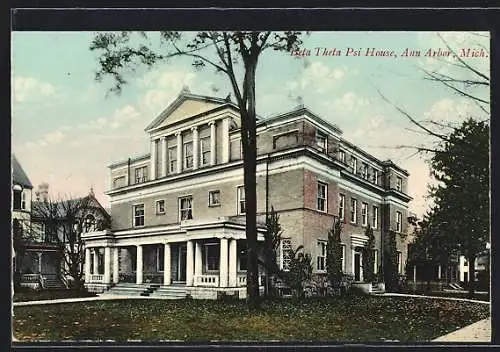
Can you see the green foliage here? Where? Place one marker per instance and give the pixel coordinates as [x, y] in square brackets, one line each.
[300, 271]
[334, 254]
[272, 239]
[369, 257]
[391, 263]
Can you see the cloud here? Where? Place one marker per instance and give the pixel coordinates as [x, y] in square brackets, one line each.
[51, 138]
[31, 89]
[316, 77]
[450, 111]
[349, 102]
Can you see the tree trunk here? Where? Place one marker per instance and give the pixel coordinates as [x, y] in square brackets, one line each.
[472, 278]
[249, 139]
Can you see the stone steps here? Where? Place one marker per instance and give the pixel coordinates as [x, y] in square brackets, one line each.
[376, 290]
[174, 292]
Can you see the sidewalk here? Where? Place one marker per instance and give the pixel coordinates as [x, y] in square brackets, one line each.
[477, 332]
[72, 300]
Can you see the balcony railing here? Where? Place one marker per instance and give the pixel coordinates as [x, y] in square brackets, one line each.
[207, 280]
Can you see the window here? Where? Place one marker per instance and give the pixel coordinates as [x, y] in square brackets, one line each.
[321, 259]
[212, 256]
[160, 255]
[89, 224]
[399, 184]
[17, 199]
[205, 150]
[213, 198]
[160, 207]
[119, 182]
[342, 156]
[399, 219]
[365, 171]
[172, 160]
[322, 192]
[23, 200]
[343, 257]
[321, 141]
[354, 215]
[286, 254]
[400, 262]
[141, 174]
[375, 217]
[242, 253]
[186, 208]
[375, 261]
[285, 140]
[241, 200]
[188, 155]
[139, 215]
[341, 206]
[354, 165]
[375, 176]
[465, 262]
[364, 213]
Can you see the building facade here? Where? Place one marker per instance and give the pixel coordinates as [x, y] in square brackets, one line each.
[178, 212]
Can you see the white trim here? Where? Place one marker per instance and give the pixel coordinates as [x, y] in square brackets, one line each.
[322, 128]
[355, 211]
[200, 179]
[239, 200]
[179, 206]
[325, 184]
[341, 197]
[364, 221]
[211, 192]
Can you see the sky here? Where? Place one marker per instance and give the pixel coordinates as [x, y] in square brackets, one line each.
[66, 130]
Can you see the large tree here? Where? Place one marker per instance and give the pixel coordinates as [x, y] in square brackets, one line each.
[369, 256]
[272, 239]
[122, 53]
[462, 201]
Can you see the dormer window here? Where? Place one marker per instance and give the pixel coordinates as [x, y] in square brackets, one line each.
[141, 174]
[399, 184]
[342, 156]
[375, 176]
[321, 141]
[354, 164]
[365, 171]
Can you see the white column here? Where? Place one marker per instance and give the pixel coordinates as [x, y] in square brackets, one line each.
[107, 265]
[153, 160]
[164, 168]
[39, 262]
[96, 261]
[415, 275]
[179, 152]
[225, 140]
[196, 148]
[212, 143]
[223, 269]
[116, 268]
[139, 265]
[189, 263]
[197, 259]
[166, 265]
[439, 272]
[87, 264]
[232, 262]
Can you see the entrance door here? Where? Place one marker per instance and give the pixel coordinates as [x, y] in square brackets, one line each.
[357, 266]
[182, 263]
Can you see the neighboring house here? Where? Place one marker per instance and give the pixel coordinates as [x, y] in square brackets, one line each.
[46, 245]
[21, 210]
[178, 212]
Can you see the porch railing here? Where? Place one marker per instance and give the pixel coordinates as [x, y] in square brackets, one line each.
[34, 279]
[207, 280]
[96, 277]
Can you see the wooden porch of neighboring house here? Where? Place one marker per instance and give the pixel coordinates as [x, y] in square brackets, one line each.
[41, 268]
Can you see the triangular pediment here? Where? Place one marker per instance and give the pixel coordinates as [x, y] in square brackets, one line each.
[184, 107]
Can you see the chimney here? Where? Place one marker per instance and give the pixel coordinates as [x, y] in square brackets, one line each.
[43, 192]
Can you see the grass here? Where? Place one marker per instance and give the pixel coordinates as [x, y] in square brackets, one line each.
[353, 319]
[477, 296]
[31, 295]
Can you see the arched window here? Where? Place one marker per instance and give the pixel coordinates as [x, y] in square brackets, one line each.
[89, 223]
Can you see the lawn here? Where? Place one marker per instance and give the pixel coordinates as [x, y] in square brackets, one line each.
[353, 319]
[31, 295]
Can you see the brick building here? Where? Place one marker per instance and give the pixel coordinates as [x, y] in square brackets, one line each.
[178, 212]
